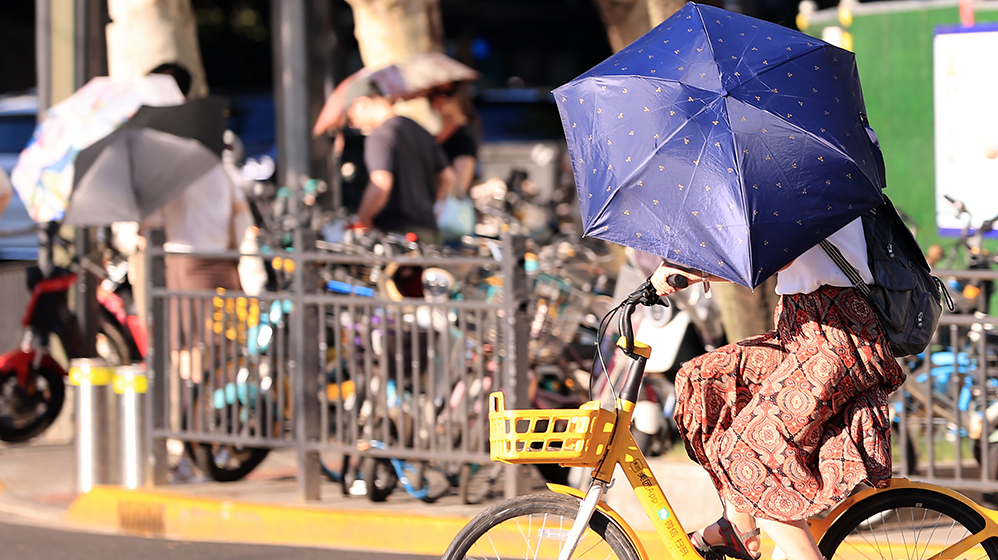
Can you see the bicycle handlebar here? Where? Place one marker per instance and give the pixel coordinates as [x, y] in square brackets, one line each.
[644, 295]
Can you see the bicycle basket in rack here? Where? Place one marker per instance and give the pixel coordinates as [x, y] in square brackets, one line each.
[570, 437]
[557, 309]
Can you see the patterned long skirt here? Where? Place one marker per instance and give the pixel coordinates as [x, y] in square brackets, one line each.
[789, 422]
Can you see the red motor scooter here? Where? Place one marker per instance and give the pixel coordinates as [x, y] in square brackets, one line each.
[32, 385]
[32, 389]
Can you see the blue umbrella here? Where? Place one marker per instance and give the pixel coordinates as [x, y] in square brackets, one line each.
[722, 143]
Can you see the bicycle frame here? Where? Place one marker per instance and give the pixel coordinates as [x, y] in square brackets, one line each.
[622, 450]
[603, 455]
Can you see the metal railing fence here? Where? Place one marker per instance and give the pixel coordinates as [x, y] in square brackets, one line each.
[307, 368]
[946, 415]
[326, 372]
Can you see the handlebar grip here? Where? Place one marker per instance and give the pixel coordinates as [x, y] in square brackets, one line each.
[677, 281]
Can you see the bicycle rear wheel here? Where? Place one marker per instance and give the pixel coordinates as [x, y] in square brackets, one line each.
[908, 523]
[536, 526]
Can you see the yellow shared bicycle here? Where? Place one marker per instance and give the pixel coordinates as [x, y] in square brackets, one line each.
[907, 520]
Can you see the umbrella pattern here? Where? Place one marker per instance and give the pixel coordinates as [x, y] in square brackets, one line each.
[722, 143]
[415, 76]
[419, 74]
[44, 173]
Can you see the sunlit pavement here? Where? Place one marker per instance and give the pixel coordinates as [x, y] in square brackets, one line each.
[38, 485]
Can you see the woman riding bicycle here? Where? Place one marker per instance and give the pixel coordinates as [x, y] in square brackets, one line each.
[789, 422]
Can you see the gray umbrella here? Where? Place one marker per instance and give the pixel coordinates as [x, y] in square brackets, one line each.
[202, 119]
[135, 174]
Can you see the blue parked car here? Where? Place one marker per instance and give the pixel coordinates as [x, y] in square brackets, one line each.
[17, 123]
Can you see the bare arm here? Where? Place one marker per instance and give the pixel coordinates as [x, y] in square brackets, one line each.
[660, 277]
[445, 182]
[464, 169]
[375, 196]
[662, 273]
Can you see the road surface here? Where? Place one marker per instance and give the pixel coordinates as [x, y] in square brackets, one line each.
[25, 542]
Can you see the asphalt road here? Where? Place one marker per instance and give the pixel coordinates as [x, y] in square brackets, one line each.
[22, 542]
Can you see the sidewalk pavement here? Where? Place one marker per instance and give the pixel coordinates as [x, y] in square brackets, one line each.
[38, 482]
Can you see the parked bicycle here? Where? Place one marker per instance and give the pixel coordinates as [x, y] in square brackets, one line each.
[962, 365]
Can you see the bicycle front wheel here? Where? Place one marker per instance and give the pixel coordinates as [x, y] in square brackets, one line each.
[908, 523]
[537, 526]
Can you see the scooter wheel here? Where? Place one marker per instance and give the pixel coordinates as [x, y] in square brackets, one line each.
[227, 463]
[436, 484]
[379, 477]
[30, 410]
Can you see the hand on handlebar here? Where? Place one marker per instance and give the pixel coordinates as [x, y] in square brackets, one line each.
[668, 280]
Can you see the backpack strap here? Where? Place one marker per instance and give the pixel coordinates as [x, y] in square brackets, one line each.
[849, 270]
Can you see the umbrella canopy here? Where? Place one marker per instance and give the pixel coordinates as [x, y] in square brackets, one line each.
[43, 176]
[415, 76]
[334, 113]
[204, 119]
[134, 173]
[721, 142]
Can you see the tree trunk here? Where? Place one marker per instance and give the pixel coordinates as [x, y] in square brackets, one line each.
[746, 313]
[146, 33]
[387, 31]
[659, 10]
[625, 20]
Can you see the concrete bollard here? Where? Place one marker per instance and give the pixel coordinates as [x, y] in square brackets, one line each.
[130, 385]
[92, 378]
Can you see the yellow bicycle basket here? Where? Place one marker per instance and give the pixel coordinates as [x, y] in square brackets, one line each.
[571, 437]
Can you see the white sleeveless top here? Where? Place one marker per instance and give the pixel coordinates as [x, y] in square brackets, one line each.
[815, 268]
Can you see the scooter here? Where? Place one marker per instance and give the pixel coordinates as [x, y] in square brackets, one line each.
[32, 389]
[125, 337]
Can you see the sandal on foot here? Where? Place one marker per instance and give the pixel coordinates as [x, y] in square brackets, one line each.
[701, 546]
[734, 543]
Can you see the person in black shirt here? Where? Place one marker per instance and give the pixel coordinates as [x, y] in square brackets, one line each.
[408, 170]
[457, 135]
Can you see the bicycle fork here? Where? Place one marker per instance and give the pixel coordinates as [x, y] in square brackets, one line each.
[586, 510]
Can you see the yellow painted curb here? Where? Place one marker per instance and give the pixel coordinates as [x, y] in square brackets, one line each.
[172, 515]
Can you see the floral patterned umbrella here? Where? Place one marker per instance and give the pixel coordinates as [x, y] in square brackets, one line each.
[415, 76]
[44, 174]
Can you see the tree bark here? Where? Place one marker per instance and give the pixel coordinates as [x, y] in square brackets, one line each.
[746, 313]
[659, 10]
[625, 20]
[387, 31]
[146, 33]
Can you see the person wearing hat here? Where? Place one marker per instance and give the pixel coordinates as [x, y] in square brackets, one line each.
[408, 170]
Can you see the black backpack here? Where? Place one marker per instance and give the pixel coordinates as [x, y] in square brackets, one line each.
[905, 295]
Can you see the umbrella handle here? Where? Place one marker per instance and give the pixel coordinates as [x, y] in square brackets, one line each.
[677, 281]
